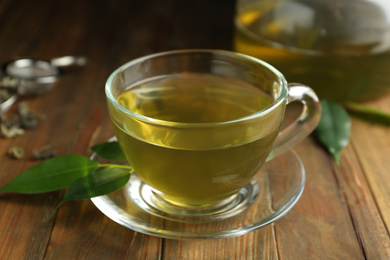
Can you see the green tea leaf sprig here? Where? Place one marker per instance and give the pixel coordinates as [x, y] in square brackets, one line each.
[334, 128]
[368, 113]
[84, 177]
[97, 183]
[109, 150]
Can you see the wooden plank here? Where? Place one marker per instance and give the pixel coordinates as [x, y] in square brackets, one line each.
[371, 143]
[122, 33]
[336, 218]
[82, 232]
[260, 244]
[18, 40]
[368, 223]
[320, 226]
[204, 24]
[25, 228]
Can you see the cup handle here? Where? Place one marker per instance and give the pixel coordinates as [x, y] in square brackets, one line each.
[304, 125]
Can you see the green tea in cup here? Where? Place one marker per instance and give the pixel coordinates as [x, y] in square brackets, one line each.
[197, 125]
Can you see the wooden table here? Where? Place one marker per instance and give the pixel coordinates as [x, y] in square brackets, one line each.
[344, 212]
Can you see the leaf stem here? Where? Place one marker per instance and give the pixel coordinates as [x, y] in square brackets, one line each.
[368, 113]
[110, 165]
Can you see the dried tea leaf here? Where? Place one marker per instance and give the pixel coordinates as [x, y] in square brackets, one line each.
[44, 153]
[10, 132]
[4, 95]
[16, 152]
[9, 82]
[8, 87]
[12, 121]
[28, 119]
[16, 124]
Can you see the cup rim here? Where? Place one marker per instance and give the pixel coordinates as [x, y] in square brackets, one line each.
[276, 103]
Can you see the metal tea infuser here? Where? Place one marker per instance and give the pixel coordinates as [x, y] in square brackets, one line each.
[35, 76]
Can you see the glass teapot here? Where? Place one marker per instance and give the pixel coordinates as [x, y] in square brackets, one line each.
[340, 48]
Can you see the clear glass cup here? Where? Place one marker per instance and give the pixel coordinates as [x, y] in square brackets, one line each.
[341, 50]
[197, 125]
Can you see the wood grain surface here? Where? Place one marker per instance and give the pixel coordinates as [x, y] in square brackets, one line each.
[344, 212]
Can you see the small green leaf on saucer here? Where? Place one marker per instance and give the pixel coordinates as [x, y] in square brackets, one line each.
[334, 128]
[53, 174]
[109, 150]
[97, 183]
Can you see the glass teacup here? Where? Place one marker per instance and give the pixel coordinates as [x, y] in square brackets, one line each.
[197, 125]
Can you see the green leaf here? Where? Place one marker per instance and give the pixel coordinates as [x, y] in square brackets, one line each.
[368, 113]
[109, 150]
[97, 183]
[53, 174]
[334, 128]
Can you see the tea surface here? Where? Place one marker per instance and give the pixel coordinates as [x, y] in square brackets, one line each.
[195, 98]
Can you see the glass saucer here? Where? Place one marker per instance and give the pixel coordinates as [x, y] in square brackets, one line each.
[279, 185]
